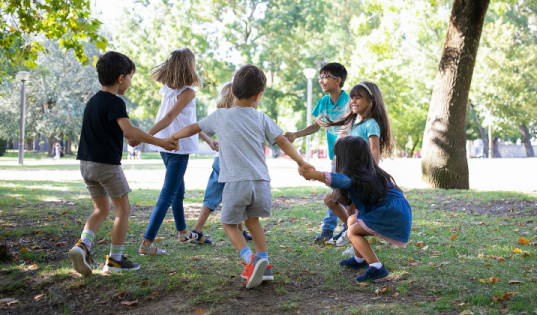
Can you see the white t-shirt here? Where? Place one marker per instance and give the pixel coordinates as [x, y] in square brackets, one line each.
[186, 117]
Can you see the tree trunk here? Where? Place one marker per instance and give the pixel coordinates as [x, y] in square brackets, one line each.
[444, 163]
[51, 140]
[69, 143]
[62, 144]
[28, 145]
[482, 131]
[526, 139]
[496, 148]
[10, 143]
[411, 154]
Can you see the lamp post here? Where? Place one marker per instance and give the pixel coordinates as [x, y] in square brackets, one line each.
[23, 76]
[310, 74]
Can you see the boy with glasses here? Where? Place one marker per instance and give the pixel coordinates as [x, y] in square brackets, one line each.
[332, 78]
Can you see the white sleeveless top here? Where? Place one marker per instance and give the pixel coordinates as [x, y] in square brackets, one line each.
[186, 117]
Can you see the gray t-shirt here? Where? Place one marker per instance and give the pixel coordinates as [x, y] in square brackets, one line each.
[242, 132]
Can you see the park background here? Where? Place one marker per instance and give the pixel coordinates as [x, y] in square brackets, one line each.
[472, 251]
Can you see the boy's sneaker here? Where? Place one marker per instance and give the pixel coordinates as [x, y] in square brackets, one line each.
[352, 263]
[348, 251]
[113, 266]
[254, 271]
[343, 239]
[81, 259]
[247, 236]
[267, 275]
[325, 234]
[373, 273]
[337, 236]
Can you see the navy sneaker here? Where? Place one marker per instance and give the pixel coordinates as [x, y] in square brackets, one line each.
[352, 263]
[325, 234]
[373, 273]
[247, 236]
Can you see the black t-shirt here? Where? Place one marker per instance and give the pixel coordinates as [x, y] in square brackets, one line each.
[101, 139]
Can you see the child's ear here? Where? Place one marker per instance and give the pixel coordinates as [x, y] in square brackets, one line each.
[338, 82]
[258, 96]
[119, 79]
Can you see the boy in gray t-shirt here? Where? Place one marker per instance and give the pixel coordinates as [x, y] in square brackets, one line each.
[242, 131]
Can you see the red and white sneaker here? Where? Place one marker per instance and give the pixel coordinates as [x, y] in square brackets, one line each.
[254, 272]
[267, 275]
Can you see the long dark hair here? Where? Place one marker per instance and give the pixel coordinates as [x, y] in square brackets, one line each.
[354, 159]
[377, 111]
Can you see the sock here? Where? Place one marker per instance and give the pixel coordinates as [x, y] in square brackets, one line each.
[246, 254]
[116, 252]
[377, 265]
[263, 255]
[87, 237]
[358, 259]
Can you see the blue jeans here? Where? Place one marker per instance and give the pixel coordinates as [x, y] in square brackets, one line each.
[172, 193]
[330, 220]
[213, 193]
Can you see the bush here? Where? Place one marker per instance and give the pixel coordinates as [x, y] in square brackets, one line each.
[3, 144]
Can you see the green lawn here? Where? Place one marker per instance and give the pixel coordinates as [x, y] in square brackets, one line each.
[460, 240]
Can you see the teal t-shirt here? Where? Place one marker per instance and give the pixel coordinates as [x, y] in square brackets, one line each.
[366, 129]
[334, 112]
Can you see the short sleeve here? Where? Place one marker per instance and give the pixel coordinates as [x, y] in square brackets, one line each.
[117, 109]
[208, 124]
[272, 130]
[373, 130]
[340, 181]
[319, 108]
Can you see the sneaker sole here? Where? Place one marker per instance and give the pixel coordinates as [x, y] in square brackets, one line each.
[265, 278]
[77, 257]
[108, 269]
[257, 274]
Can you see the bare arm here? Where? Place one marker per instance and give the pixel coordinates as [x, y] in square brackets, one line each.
[288, 148]
[213, 144]
[314, 175]
[311, 129]
[374, 144]
[182, 101]
[129, 131]
[186, 132]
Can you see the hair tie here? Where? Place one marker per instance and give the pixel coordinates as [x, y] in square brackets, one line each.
[365, 86]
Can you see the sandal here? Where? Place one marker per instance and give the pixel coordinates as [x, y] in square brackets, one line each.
[187, 235]
[152, 250]
[199, 238]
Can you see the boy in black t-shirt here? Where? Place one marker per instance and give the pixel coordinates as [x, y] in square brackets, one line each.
[104, 125]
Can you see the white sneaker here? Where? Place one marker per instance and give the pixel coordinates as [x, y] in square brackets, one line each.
[343, 240]
[348, 251]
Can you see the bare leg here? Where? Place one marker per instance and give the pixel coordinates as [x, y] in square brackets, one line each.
[258, 234]
[235, 236]
[202, 218]
[101, 209]
[361, 246]
[338, 210]
[239, 226]
[122, 208]
[351, 210]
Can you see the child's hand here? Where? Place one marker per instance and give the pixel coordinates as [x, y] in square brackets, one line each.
[305, 166]
[309, 174]
[290, 136]
[133, 143]
[170, 144]
[214, 145]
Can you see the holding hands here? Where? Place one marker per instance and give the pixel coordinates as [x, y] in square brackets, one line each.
[291, 136]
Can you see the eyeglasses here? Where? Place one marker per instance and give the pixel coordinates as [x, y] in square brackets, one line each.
[325, 76]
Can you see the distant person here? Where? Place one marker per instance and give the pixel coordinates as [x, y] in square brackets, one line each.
[131, 152]
[332, 77]
[242, 131]
[177, 110]
[56, 151]
[104, 125]
[138, 153]
[382, 208]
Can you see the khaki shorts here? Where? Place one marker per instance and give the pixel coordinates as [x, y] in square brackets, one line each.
[240, 200]
[104, 179]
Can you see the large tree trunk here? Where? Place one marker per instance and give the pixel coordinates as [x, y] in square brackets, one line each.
[496, 148]
[51, 140]
[482, 131]
[69, 143]
[444, 163]
[526, 140]
[10, 144]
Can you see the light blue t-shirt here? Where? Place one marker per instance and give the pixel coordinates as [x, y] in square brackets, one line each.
[366, 129]
[334, 111]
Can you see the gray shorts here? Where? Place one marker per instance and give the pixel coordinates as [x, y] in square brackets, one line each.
[240, 200]
[104, 179]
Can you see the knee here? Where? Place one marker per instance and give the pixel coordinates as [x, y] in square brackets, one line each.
[351, 220]
[123, 211]
[251, 222]
[327, 200]
[101, 211]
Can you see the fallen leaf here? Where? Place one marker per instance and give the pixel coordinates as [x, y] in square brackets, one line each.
[144, 283]
[526, 254]
[488, 265]
[39, 297]
[199, 311]
[8, 301]
[417, 244]
[36, 247]
[119, 293]
[453, 237]
[34, 266]
[65, 212]
[515, 230]
[436, 253]
[101, 241]
[467, 312]
[384, 290]
[207, 226]
[169, 221]
[500, 259]
[533, 244]
[159, 239]
[496, 298]
[195, 257]
[396, 294]
[54, 239]
[413, 264]
[24, 249]
[363, 284]
[109, 220]
[455, 230]
[154, 293]
[37, 232]
[517, 250]
[108, 234]
[412, 229]
[523, 241]
[129, 303]
[515, 282]
[61, 244]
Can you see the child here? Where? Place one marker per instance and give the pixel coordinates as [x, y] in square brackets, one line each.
[332, 78]
[242, 131]
[213, 193]
[366, 118]
[382, 208]
[104, 125]
[177, 110]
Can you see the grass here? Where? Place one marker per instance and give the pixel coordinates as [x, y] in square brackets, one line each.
[451, 256]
